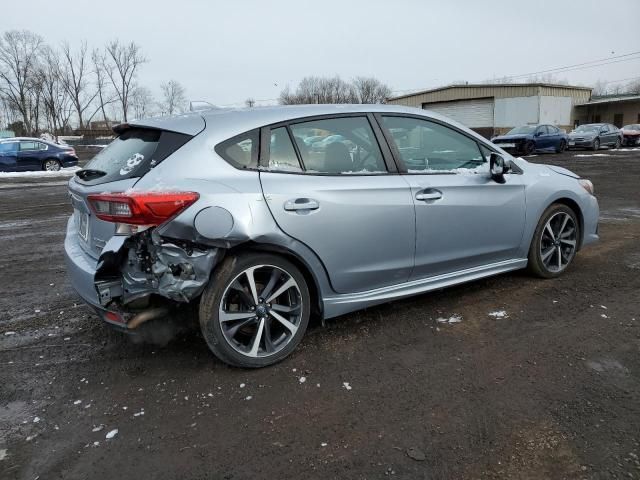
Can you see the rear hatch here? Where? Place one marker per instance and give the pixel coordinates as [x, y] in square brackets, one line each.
[136, 150]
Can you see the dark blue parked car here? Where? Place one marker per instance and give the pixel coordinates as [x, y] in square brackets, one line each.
[530, 138]
[21, 154]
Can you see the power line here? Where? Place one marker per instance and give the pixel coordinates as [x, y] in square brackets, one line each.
[577, 68]
[577, 65]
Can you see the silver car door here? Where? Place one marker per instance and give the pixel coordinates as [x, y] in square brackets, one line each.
[341, 201]
[464, 219]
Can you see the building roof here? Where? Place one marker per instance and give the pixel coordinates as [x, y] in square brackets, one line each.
[611, 99]
[489, 85]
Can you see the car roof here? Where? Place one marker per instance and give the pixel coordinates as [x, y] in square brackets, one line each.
[227, 122]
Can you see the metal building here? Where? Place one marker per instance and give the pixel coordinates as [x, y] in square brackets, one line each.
[495, 109]
[619, 110]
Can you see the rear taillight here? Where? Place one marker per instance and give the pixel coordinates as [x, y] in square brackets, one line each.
[140, 208]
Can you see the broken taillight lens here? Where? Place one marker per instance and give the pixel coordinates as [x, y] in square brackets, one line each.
[140, 208]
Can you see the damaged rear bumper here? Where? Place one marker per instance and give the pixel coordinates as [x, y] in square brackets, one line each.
[136, 276]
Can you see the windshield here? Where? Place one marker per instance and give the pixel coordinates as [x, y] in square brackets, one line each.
[588, 128]
[631, 127]
[526, 130]
[132, 154]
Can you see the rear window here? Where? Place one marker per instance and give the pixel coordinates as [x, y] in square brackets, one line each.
[132, 154]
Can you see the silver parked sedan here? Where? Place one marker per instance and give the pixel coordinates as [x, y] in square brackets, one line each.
[232, 212]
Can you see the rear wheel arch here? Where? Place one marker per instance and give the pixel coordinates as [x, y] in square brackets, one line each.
[307, 272]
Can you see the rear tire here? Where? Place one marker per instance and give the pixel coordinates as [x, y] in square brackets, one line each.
[529, 147]
[596, 145]
[555, 242]
[241, 320]
[51, 165]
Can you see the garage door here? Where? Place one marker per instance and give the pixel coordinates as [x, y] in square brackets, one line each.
[476, 113]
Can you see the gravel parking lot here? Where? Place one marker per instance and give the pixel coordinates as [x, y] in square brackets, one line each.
[538, 379]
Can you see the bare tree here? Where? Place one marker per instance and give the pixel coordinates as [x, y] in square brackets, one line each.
[19, 51]
[53, 95]
[105, 97]
[250, 102]
[371, 90]
[121, 65]
[141, 102]
[173, 97]
[599, 88]
[74, 73]
[320, 90]
[633, 87]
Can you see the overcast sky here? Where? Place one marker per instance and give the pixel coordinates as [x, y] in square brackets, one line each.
[226, 51]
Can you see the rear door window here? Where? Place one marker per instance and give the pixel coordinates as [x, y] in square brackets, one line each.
[338, 146]
[28, 146]
[132, 154]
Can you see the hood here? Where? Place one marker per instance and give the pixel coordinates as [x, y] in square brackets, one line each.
[511, 137]
[589, 133]
[562, 171]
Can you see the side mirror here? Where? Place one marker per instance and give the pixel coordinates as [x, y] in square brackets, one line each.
[497, 167]
[538, 133]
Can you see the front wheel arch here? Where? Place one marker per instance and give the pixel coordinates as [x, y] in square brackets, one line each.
[573, 205]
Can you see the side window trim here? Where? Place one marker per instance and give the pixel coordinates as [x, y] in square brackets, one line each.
[296, 148]
[402, 168]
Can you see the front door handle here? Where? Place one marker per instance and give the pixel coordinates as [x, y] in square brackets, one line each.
[301, 204]
[429, 194]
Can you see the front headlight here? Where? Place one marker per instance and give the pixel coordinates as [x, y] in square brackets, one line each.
[587, 185]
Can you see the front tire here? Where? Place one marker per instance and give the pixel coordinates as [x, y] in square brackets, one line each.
[255, 310]
[618, 143]
[554, 242]
[562, 147]
[596, 145]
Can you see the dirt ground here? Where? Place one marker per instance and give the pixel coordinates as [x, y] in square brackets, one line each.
[549, 390]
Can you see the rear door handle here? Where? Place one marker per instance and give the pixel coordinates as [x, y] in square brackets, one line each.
[429, 194]
[301, 204]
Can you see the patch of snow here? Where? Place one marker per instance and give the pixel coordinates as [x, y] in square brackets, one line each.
[346, 385]
[499, 314]
[302, 379]
[9, 333]
[242, 385]
[249, 397]
[111, 434]
[603, 315]
[593, 155]
[36, 419]
[77, 402]
[451, 320]
[3, 453]
[602, 306]
[64, 172]
[323, 444]
[98, 428]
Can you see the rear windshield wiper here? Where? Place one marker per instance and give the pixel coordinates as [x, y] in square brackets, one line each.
[90, 174]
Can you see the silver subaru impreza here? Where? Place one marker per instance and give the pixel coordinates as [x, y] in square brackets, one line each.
[262, 217]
